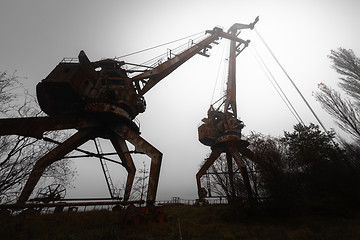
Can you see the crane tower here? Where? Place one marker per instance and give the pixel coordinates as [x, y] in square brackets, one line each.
[221, 129]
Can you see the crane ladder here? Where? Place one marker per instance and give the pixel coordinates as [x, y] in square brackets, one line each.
[114, 193]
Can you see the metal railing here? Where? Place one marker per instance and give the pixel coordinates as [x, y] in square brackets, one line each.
[176, 200]
[70, 60]
[67, 205]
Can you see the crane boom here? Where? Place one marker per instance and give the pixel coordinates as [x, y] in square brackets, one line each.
[156, 74]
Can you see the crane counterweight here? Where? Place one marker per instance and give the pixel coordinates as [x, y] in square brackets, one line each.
[101, 86]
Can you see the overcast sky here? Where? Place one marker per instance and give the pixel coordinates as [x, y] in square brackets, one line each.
[37, 34]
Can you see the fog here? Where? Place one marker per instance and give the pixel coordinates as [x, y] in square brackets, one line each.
[36, 35]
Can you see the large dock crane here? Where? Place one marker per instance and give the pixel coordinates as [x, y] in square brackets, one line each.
[221, 130]
[100, 100]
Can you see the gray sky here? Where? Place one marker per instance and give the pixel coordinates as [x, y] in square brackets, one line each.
[36, 35]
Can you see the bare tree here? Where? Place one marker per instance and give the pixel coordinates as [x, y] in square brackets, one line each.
[140, 187]
[344, 110]
[17, 153]
[269, 155]
[347, 65]
[7, 83]
[217, 180]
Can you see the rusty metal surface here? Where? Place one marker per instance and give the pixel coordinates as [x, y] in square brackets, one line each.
[117, 133]
[54, 155]
[161, 71]
[36, 126]
[155, 155]
[127, 161]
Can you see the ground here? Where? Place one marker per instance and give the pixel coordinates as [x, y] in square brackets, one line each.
[183, 222]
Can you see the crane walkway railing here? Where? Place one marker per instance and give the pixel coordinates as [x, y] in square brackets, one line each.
[70, 60]
[112, 189]
[210, 201]
[169, 54]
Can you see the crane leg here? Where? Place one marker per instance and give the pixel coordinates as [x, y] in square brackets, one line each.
[241, 165]
[231, 173]
[127, 161]
[248, 153]
[142, 145]
[215, 153]
[54, 155]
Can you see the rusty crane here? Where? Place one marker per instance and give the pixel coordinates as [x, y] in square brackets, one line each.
[100, 100]
[221, 130]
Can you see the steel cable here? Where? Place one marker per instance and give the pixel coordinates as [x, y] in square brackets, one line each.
[275, 84]
[217, 75]
[147, 49]
[292, 82]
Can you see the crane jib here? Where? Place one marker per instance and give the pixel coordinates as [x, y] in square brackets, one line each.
[161, 71]
[156, 74]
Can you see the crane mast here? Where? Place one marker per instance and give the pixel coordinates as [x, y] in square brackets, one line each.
[235, 49]
[230, 102]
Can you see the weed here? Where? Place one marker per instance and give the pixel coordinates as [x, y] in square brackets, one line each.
[207, 222]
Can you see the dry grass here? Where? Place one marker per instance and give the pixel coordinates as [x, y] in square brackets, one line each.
[205, 223]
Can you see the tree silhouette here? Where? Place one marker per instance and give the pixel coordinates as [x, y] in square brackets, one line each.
[17, 153]
[302, 168]
[344, 110]
[319, 171]
[140, 187]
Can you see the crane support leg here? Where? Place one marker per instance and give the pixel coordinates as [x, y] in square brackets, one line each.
[215, 153]
[142, 145]
[56, 154]
[127, 161]
[241, 165]
[248, 153]
[231, 172]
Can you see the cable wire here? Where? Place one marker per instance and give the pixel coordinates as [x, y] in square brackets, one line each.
[217, 75]
[153, 62]
[275, 84]
[292, 82]
[147, 49]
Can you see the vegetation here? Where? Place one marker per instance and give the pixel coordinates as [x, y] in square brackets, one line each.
[304, 168]
[17, 153]
[139, 190]
[344, 110]
[186, 222]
